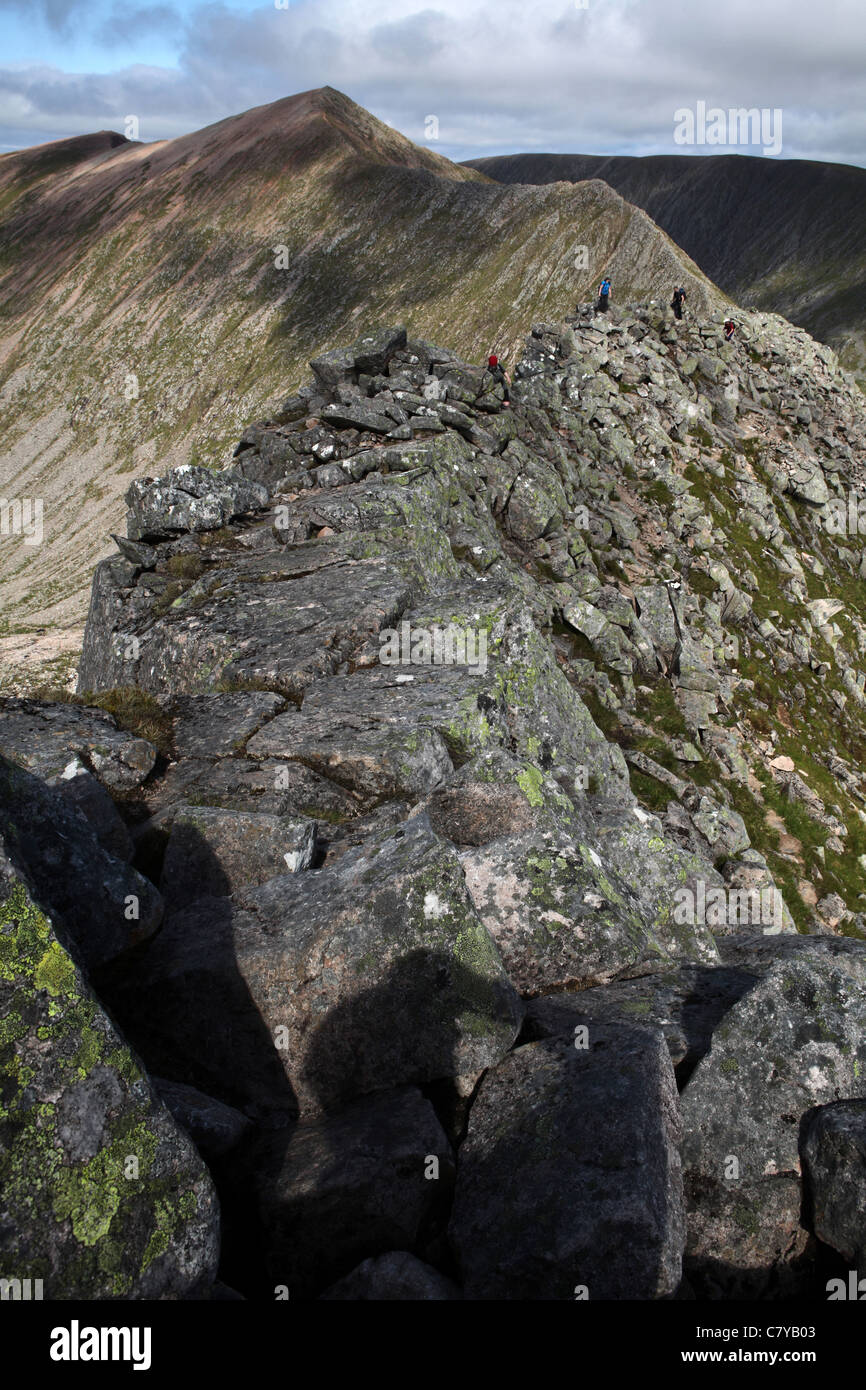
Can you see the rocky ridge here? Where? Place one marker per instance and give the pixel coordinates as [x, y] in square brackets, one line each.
[154, 298]
[778, 234]
[451, 966]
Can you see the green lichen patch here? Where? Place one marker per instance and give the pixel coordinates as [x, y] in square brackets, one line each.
[92, 1173]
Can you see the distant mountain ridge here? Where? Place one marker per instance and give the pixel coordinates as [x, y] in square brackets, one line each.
[785, 235]
[155, 298]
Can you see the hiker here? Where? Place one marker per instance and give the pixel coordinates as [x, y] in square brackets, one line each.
[603, 296]
[497, 371]
[730, 328]
[678, 301]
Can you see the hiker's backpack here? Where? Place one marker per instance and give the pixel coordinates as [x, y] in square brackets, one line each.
[605, 288]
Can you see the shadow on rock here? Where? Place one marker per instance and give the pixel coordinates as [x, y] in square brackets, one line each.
[374, 1172]
[220, 1045]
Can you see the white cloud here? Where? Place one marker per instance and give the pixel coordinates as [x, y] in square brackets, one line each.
[499, 76]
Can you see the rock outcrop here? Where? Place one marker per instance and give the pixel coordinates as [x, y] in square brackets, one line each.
[497, 818]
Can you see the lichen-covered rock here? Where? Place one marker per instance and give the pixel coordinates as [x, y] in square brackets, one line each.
[101, 1195]
[723, 828]
[659, 607]
[749, 880]
[556, 917]
[548, 721]
[189, 498]
[104, 904]
[496, 795]
[276, 619]
[658, 872]
[569, 1182]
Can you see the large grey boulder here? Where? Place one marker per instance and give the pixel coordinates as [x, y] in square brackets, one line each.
[315, 988]
[834, 1166]
[569, 1183]
[795, 1041]
[189, 498]
[555, 916]
[213, 852]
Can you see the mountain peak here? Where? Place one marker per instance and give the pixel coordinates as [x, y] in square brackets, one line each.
[320, 123]
[55, 155]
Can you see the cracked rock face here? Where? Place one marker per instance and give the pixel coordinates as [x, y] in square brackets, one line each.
[488, 782]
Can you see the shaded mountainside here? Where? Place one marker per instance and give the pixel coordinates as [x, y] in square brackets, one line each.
[147, 311]
[784, 235]
[488, 783]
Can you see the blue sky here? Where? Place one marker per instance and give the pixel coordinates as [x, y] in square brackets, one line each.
[593, 76]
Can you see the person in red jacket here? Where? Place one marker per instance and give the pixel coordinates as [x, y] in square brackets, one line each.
[497, 371]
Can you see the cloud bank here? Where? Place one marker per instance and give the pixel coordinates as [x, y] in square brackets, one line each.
[499, 77]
